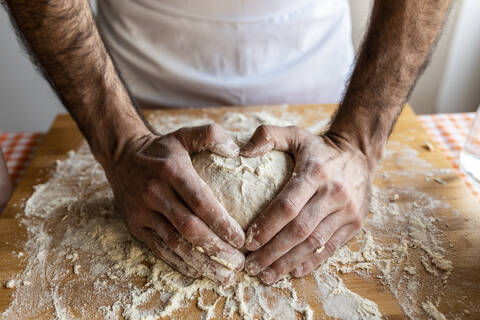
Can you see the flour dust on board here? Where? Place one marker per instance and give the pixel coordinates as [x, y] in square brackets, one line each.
[81, 262]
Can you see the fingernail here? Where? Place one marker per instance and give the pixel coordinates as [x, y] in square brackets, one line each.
[238, 242]
[297, 272]
[268, 276]
[250, 243]
[236, 236]
[252, 267]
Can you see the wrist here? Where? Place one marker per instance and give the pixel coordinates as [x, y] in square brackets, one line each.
[109, 137]
[362, 132]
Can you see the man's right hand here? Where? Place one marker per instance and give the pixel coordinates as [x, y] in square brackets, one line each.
[168, 207]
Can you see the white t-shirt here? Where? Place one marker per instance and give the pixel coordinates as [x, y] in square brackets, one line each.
[194, 53]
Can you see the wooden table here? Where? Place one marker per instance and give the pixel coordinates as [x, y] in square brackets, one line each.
[464, 233]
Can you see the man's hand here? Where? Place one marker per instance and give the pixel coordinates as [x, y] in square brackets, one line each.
[319, 209]
[65, 43]
[167, 206]
[324, 203]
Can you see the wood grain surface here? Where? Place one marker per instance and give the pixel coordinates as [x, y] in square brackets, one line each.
[463, 230]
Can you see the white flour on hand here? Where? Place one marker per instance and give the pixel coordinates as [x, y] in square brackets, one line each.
[82, 262]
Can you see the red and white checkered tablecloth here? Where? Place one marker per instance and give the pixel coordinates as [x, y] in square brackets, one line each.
[448, 131]
[18, 149]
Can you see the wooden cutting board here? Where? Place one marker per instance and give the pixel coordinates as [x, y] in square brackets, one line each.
[463, 285]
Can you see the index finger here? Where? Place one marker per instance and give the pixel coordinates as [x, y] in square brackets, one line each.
[283, 209]
[201, 200]
[208, 137]
[267, 137]
[296, 193]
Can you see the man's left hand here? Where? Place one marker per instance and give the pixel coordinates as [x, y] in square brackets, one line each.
[321, 207]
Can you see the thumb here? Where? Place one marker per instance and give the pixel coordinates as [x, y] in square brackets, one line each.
[266, 138]
[210, 137]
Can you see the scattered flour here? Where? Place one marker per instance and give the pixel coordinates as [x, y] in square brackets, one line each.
[72, 225]
[76, 269]
[26, 283]
[10, 284]
[340, 302]
[432, 311]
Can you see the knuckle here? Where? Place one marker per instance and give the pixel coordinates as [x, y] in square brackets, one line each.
[300, 229]
[338, 189]
[166, 165]
[357, 222]
[197, 201]
[211, 131]
[287, 207]
[331, 246]
[281, 267]
[316, 169]
[316, 240]
[351, 207]
[172, 241]
[188, 228]
[150, 190]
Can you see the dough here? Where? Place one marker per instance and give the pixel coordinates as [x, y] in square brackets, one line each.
[244, 186]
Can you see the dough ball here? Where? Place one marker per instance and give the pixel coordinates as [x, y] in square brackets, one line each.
[244, 186]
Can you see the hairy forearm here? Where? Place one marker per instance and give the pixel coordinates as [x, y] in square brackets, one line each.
[399, 39]
[65, 44]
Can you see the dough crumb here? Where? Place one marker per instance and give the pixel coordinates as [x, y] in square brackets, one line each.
[395, 197]
[410, 270]
[439, 181]
[10, 284]
[73, 257]
[428, 146]
[76, 269]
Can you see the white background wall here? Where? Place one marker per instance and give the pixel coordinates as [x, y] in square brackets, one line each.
[26, 101]
[450, 84]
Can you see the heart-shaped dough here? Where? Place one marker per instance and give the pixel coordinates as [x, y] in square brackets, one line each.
[244, 186]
